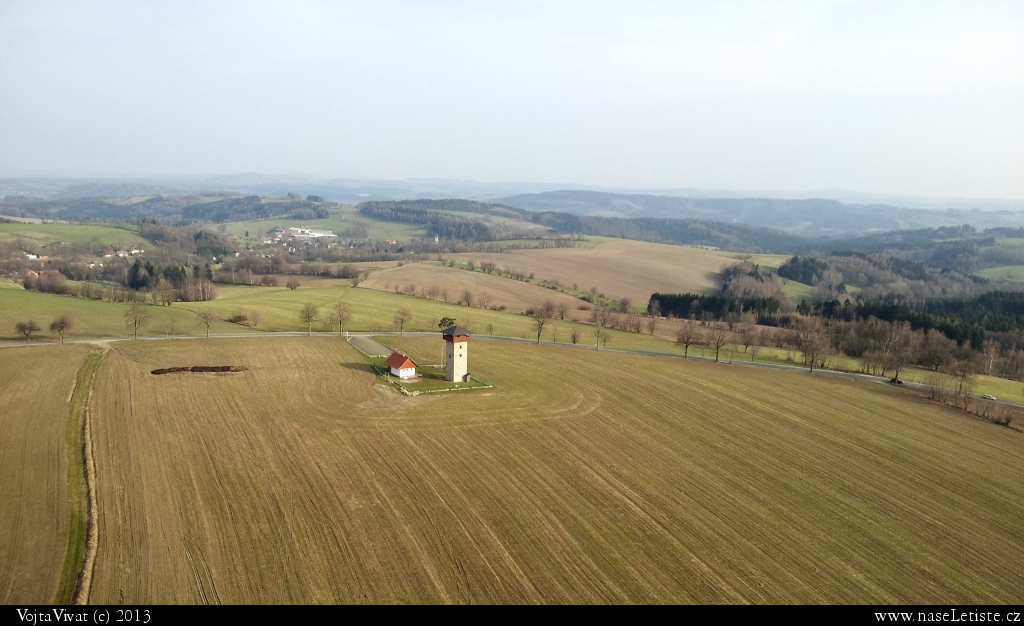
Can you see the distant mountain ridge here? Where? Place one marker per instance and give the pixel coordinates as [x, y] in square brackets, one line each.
[814, 217]
[835, 214]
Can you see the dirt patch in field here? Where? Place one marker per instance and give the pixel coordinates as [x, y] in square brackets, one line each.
[201, 369]
[388, 401]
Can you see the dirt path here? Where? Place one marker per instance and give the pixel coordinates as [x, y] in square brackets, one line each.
[369, 346]
[84, 585]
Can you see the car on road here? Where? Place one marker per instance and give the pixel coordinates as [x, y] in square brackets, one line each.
[986, 396]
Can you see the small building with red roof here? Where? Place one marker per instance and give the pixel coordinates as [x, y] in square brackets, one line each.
[401, 365]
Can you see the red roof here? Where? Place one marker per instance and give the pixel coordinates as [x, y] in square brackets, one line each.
[399, 361]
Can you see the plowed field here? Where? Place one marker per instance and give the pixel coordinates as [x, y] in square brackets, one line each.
[619, 268]
[514, 295]
[583, 476]
[35, 389]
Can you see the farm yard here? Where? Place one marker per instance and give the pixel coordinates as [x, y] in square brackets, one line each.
[301, 480]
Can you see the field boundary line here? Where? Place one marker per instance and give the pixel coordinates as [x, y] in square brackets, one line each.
[81, 508]
[84, 586]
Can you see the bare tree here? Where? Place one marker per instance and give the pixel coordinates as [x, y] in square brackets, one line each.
[541, 316]
[403, 316]
[467, 297]
[165, 294]
[600, 336]
[689, 335]
[574, 333]
[562, 309]
[652, 325]
[828, 287]
[135, 317]
[814, 343]
[207, 319]
[344, 313]
[754, 349]
[601, 316]
[634, 323]
[255, 317]
[898, 348]
[293, 283]
[309, 313]
[966, 364]
[61, 325]
[171, 324]
[990, 350]
[27, 328]
[330, 322]
[539, 321]
[718, 340]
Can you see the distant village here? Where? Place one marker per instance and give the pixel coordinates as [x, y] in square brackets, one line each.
[282, 235]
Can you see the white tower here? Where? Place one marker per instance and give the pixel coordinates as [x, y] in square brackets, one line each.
[456, 354]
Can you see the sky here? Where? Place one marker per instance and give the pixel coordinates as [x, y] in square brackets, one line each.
[892, 97]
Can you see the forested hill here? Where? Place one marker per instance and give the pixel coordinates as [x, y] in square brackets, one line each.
[167, 209]
[811, 217]
[437, 217]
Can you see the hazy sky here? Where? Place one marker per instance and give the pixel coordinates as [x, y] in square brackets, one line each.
[920, 98]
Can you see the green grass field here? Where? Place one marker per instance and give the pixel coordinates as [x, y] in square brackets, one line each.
[796, 292]
[92, 318]
[103, 235]
[765, 260]
[1013, 273]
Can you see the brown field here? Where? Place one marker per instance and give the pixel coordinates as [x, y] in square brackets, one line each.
[516, 296]
[35, 387]
[584, 476]
[619, 268]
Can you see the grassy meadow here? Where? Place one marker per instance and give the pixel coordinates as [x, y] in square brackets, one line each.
[103, 235]
[92, 318]
[1013, 273]
[583, 476]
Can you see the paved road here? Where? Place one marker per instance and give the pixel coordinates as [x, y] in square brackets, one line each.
[776, 366]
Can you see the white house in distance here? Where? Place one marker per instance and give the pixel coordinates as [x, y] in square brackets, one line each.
[456, 354]
[401, 365]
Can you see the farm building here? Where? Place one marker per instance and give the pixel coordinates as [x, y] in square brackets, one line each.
[401, 365]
